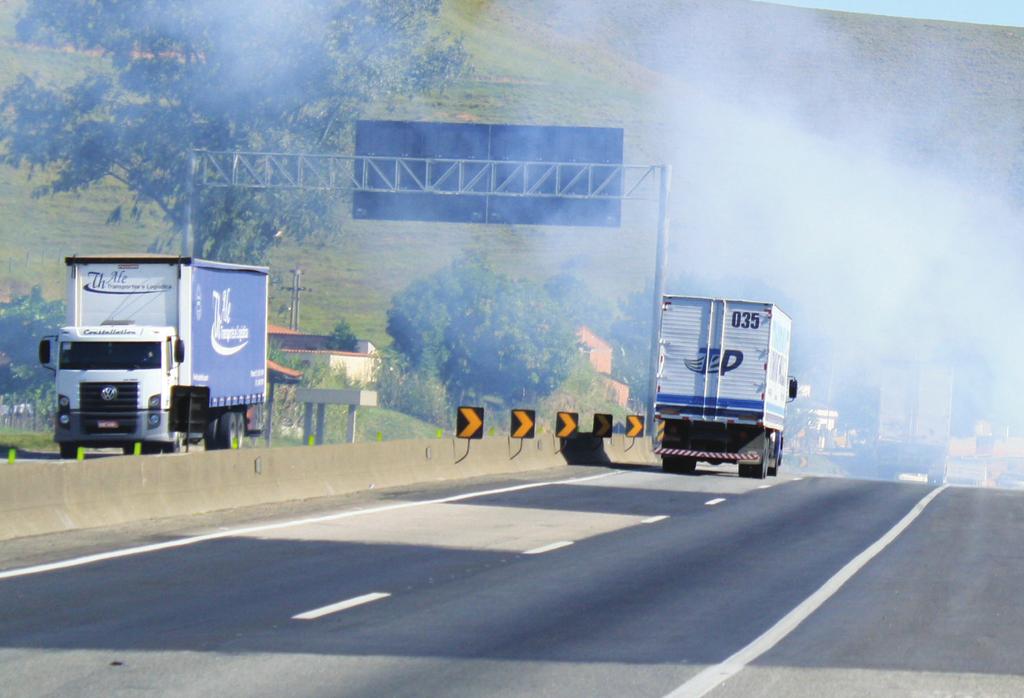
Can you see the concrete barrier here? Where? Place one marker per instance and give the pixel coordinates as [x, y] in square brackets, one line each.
[47, 496]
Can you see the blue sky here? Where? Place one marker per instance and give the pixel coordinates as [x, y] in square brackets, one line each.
[1005, 12]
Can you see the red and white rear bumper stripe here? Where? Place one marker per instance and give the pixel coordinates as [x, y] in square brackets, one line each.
[709, 455]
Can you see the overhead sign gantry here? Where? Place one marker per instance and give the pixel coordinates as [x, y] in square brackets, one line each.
[472, 173]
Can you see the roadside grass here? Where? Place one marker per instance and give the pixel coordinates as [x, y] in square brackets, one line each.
[25, 441]
[531, 64]
[392, 426]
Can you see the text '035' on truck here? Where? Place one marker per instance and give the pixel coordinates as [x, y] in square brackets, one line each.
[723, 384]
[144, 332]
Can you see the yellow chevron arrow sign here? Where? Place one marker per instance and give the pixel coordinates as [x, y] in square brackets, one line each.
[602, 426]
[567, 424]
[523, 424]
[470, 423]
[634, 426]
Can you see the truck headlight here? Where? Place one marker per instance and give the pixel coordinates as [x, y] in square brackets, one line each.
[64, 419]
[154, 402]
[63, 402]
[153, 419]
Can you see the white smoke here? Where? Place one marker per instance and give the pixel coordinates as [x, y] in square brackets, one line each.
[816, 161]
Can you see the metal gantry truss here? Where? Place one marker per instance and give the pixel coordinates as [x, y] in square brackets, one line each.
[450, 176]
[570, 180]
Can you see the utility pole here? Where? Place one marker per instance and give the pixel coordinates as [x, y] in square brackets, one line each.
[296, 295]
[188, 234]
[660, 263]
[296, 289]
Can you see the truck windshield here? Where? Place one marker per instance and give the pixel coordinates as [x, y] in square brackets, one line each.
[84, 356]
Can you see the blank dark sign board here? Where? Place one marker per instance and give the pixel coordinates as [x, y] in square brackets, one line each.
[535, 144]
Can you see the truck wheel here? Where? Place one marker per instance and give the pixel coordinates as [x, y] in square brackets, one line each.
[761, 471]
[218, 436]
[230, 429]
[173, 447]
[237, 433]
[68, 451]
[755, 470]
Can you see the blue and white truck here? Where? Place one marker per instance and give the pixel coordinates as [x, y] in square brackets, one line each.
[138, 328]
[722, 384]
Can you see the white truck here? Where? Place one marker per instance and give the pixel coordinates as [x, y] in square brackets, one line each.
[915, 405]
[143, 329]
[722, 384]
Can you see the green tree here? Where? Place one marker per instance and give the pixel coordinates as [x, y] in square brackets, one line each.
[216, 74]
[417, 393]
[24, 320]
[483, 334]
[583, 305]
[342, 338]
[631, 342]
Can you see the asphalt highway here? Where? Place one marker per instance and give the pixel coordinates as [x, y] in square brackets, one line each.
[589, 582]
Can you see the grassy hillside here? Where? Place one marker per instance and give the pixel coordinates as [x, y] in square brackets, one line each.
[950, 92]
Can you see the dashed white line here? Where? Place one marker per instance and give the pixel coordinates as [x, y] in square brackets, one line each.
[797, 479]
[341, 605]
[548, 548]
[707, 680]
[654, 519]
[248, 530]
[763, 487]
[713, 502]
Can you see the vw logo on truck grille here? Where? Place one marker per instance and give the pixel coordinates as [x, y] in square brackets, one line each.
[109, 393]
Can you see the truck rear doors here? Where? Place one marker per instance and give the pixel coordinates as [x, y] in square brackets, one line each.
[714, 356]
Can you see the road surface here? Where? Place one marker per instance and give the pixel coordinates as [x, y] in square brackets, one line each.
[581, 581]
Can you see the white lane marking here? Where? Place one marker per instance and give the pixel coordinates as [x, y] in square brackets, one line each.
[192, 540]
[707, 680]
[797, 479]
[713, 502]
[548, 548]
[341, 605]
[655, 519]
[763, 487]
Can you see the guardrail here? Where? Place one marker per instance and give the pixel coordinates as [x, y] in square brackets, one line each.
[39, 497]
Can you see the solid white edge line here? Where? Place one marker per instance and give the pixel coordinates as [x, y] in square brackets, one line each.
[247, 530]
[710, 678]
[654, 519]
[341, 605]
[713, 502]
[548, 548]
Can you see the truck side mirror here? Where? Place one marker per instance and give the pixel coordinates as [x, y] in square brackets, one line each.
[179, 350]
[793, 388]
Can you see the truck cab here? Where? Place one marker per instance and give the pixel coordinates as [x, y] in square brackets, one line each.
[114, 386]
